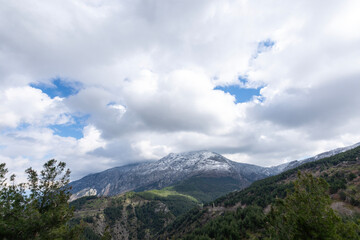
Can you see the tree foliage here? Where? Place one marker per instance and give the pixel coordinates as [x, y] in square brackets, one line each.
[240, 224]
[337, 170]
[37, 209]
[306, 214]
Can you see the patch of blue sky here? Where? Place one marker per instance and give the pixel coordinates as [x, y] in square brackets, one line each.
[58, 87]
[73, 129]
[242, 91]
[242, 81]
[241, 94]
[267, 44]
[264, 46]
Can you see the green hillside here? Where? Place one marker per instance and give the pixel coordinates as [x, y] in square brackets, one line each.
[132, 215]
[243, 214]
[143, 215]
[206, 189]
[188, 210]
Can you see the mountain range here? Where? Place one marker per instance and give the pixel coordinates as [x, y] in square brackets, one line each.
[248, 214]
[180, 169]
[202, 202]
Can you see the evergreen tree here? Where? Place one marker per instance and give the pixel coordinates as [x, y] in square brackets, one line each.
[306, 214]
[38, 209]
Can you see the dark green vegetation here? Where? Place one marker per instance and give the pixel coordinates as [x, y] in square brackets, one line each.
[240, 224]
[143, 215]
[272, 208]
[225, 218]
[207, 189]
[306, 213]
[204, 189]
[81, 202]
[131, 215]
[320, 203]
[41, 213]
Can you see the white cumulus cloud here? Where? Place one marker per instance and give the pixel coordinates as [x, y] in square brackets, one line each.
[148, 71]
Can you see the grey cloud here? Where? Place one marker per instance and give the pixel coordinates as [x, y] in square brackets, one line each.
[311, 74]
[326, 106]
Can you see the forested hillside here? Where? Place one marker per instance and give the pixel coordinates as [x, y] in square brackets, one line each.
[178, 212]
[131, 215]
[139, 215]
[244, 214]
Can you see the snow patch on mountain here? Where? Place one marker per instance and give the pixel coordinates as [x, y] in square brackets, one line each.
[330, 153]
[177, 167]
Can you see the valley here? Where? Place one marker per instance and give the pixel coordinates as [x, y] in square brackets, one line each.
[208, 201]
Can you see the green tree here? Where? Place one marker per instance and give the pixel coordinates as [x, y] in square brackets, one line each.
[306, 214]
[37, 209]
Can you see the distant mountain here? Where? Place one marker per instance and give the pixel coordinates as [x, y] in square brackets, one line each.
[330, 153]
[243, 214]
[167, 171]
[164, 213]
[190, 168]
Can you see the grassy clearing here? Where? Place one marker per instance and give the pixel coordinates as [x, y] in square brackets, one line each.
[165, 192]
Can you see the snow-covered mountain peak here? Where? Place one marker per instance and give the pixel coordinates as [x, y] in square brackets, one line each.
[200, 160]
[177, 167]
[203, 154]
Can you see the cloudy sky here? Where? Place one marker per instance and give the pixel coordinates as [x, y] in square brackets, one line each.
[103, 83]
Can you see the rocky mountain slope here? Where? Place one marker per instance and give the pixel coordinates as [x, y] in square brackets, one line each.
[167, 171]
[243, 213]
[175, 168]
[164, 214]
